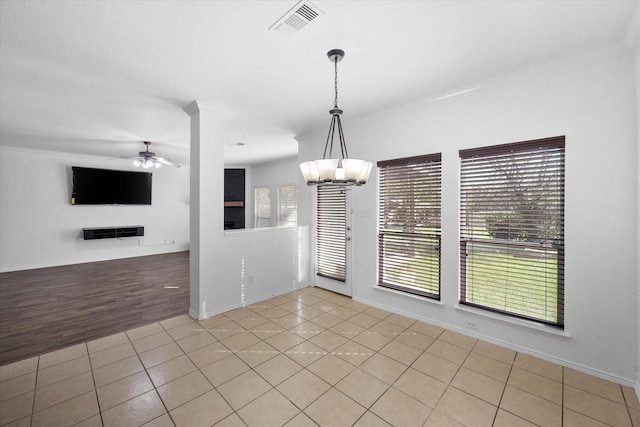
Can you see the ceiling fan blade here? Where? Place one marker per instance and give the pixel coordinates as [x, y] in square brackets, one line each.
[146, 158]
[166, 161]
[127, 158]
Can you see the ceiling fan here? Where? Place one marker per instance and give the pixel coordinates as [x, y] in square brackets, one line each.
[148, 159]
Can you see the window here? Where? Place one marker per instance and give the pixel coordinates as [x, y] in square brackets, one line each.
[263, 207]
[331, 221]
[409, 224]
[288, 205]
[512, 229]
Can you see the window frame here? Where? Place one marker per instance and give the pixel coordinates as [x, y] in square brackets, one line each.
[256, 216]
[398, 208]
[281, 210]
[522, 196]
[331, 232]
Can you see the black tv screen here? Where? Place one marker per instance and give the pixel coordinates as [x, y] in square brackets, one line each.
[110, 187]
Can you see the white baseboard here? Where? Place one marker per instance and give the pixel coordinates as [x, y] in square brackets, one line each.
[547, 357]
[207, 314]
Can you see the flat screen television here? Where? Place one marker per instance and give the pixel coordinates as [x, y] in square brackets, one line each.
[92, 186]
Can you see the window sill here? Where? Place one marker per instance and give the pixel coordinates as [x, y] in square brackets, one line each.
[408, 295]
[514, 321]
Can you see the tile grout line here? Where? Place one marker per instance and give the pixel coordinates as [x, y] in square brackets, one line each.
[35, 388]
[286, 353]
[148, 376]
[396, 380]
[301, 410]
[624, 398]
[562, 408]
[199, 369]
[331, 386]
[504, 389]
[95, 386]
[234, 411]
[33, 412]
[452, 377]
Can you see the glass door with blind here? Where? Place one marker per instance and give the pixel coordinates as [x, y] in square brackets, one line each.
[333, 239]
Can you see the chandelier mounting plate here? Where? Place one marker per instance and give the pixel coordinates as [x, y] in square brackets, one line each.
[335, 55]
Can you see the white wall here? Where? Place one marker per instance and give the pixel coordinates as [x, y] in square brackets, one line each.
[233, 268]
[269, 174]
[272, 175]
[259, 263]
[40, 228]
[637, 69]
[591, 100]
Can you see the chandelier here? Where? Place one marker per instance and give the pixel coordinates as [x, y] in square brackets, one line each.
[343, 171]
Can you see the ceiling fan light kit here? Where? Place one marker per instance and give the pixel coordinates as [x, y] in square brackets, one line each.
[337, 171]
[148, 159]
[146, 163]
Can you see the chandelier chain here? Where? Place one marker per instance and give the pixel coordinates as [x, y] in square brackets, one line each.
[335, 82]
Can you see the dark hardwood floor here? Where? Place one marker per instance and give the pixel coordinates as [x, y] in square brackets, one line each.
[47, 309]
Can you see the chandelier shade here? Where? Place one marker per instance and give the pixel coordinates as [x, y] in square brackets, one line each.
[338, 171]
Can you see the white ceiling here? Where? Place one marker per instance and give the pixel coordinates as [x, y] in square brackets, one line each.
[98, 77]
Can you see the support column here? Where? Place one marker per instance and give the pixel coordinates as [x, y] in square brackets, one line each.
[206, 216]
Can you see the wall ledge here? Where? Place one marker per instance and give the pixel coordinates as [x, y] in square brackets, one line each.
[409, 295]
[249, 231]
[515, 321]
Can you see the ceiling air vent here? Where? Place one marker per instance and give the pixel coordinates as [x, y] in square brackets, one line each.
[298, 17]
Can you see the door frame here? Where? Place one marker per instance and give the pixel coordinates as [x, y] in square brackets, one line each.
[337, 286]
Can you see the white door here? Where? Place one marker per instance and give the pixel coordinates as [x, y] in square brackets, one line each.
[333, 239]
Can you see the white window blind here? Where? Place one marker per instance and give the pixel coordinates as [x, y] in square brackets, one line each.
[262, 207]
[288, 205]
[409, 194]
[512, 229]
[331, 232]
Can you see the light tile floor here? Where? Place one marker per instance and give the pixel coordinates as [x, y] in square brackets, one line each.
[306, 358]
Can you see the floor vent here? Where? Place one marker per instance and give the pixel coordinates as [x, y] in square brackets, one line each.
[298, 17]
